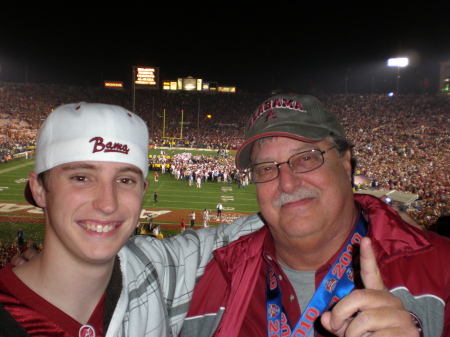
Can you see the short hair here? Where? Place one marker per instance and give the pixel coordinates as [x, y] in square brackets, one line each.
[43, 179]
[342, 144]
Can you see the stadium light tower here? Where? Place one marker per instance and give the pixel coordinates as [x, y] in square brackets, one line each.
[399, 62]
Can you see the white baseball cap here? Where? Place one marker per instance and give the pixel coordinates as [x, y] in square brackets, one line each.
[91, 132]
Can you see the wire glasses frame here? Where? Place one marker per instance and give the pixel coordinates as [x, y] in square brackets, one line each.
[301, 162]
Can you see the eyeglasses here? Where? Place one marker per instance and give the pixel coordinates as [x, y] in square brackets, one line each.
[302, 162]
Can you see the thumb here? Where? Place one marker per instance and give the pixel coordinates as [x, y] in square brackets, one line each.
[325, 319]
[370, 273]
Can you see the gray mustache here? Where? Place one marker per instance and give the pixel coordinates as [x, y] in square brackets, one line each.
[295, 196]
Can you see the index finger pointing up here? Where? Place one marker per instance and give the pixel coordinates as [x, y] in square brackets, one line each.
[370, 273]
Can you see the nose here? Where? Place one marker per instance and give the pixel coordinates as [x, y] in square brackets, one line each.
[288, 179]
[106, 197]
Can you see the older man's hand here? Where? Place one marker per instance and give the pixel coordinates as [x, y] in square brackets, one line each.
[373, 310]
[27, 255]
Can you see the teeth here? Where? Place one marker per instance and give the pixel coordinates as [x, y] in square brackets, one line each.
[97, 228]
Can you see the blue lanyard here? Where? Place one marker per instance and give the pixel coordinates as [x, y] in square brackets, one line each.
[338, 283]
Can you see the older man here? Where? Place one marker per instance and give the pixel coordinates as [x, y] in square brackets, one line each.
[326, 261]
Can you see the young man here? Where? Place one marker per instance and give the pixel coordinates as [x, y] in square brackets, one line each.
[295, 276]
[89, 177]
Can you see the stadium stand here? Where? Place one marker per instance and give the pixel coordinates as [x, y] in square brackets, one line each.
[402, 143]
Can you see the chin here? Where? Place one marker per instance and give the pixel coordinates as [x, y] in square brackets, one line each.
[100, 256]
[298, 227]
[301, 233]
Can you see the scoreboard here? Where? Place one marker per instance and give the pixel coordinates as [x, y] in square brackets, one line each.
[146, 77]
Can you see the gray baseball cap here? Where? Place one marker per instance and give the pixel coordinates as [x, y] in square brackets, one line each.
[300, 117]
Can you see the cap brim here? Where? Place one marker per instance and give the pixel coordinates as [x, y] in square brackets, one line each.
[243, 153]
[29, 195]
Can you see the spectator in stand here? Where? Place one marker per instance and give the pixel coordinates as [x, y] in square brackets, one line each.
[21, 237]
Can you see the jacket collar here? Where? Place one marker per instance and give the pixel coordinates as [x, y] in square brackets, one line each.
[390, 235]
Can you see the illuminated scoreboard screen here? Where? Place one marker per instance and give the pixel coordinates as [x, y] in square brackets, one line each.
[189, 83]
[146, 77]
[226, 89]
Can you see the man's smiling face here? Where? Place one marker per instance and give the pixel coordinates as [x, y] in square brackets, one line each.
[91, 208]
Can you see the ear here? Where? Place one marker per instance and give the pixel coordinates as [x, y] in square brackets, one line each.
[146, 185]
[347, 162]
[38, 190]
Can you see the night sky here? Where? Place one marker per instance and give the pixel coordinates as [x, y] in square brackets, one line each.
[292, 46]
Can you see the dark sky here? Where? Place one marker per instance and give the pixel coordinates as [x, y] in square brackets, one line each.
[293, 46]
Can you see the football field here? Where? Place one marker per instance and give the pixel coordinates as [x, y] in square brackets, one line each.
[176, 200]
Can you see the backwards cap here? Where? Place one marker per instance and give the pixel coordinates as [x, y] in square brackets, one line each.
[91, 132]
[301, 117]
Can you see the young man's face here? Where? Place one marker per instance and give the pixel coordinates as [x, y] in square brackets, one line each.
[91, 208]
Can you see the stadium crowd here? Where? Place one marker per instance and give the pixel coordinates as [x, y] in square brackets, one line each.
[185, 166]
[413, 155]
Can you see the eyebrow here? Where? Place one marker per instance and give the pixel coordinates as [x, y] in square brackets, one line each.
[76, 166]
[307, 147]
[131, 169]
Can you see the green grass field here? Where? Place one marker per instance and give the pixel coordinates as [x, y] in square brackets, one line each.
[172, 194]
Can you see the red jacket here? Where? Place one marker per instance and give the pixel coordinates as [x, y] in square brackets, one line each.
[414, 265]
